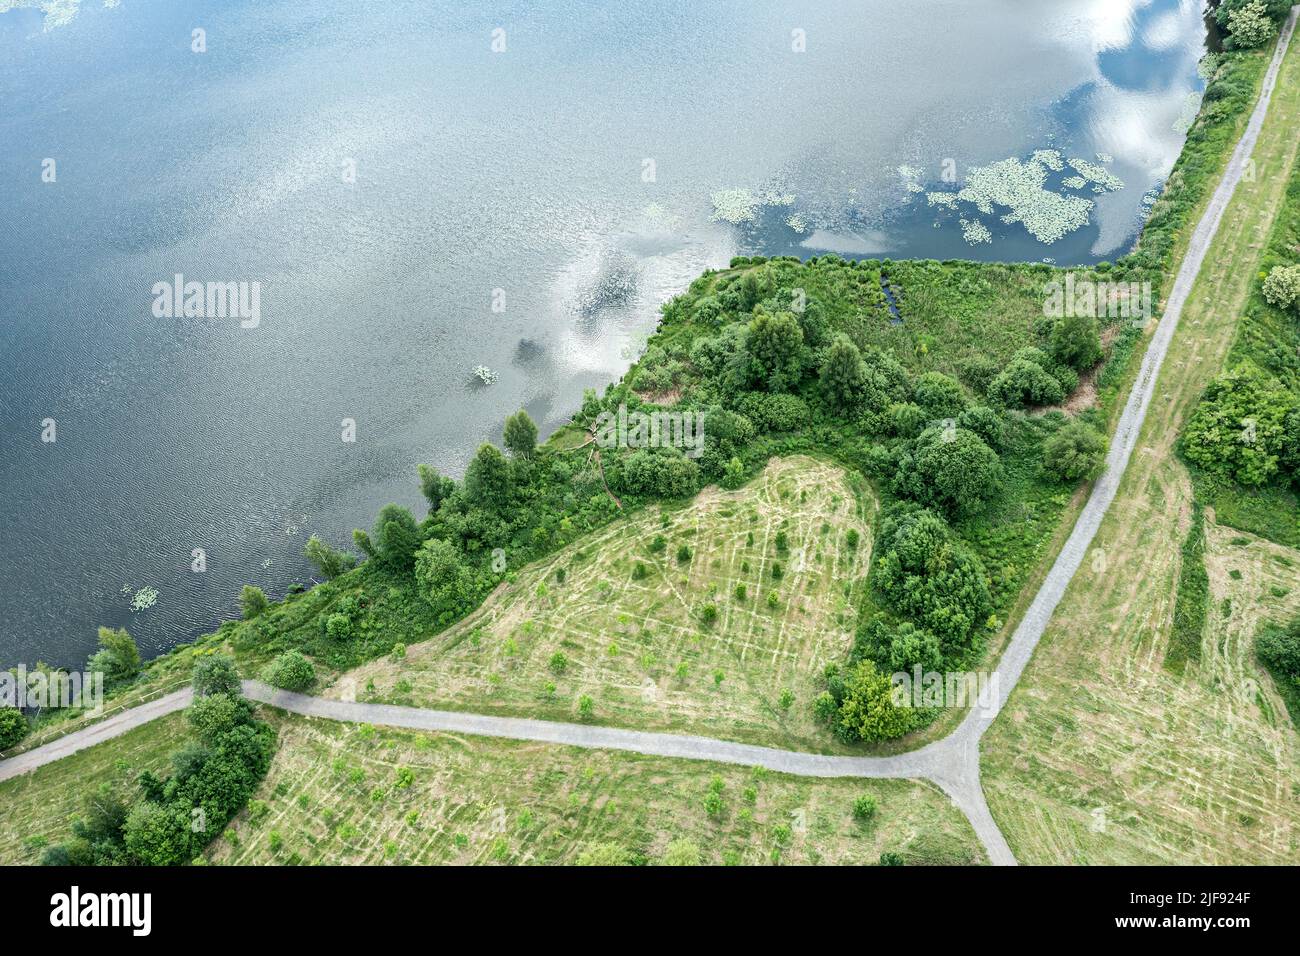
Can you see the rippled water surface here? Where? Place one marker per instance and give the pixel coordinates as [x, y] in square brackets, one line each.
[589, 170]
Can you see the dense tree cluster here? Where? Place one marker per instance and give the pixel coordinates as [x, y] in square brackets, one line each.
[175, 817]
[1246, 428]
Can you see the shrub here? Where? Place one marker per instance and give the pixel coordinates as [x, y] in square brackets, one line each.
[939, 396]
[604, 854]
[949, 468]
[1239, 427]
[681, 852]
[338, 627]
[1023, 384]
[1250, 26]
[864, 808]
[658, 473]
[215, 675]
[253, 601]
[1282, 287]
[328, 561]
[13, 727]
[1074, 452]
[1075, 342]
[291, 671]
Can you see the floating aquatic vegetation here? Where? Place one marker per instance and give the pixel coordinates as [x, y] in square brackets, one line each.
[1021, 188]
[734, 206]
[1049, 158]
[946, 200]
[911, 176]
[485, 374]
[1208, 66]
[1074, 182]
[1097, 174]
[144, 598]
[975, 232]
[797, 222]
[740, 205]
[657, 217]
[1105, 158]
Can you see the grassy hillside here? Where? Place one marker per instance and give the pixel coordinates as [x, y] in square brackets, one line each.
[623, 617]
[347, 794]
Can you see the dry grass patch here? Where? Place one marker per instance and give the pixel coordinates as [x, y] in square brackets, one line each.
[626, 622]
[348, 794]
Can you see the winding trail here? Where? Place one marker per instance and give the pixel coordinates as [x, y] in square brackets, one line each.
[952, 763]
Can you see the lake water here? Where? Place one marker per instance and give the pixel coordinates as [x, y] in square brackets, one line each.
[388, 171]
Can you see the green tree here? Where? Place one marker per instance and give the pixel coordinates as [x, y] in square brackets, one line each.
[844, 374]
[1250, 26]
[1239, 428]
[1075, 341]
[435, 487]
[487, 480]
[328, 561]
[925, 573]
[1074, 452]
[443, 578]
[292, 670]
[950, 468]
[520, 434]
[939, 396]
[774, 352]
[733, 475]
[158, 834]
[586, 707]
[252, 601]
[396, 537]
[1023, 384]
[118, 658]
[216, 674]
[867, 711]
[13, 727]
[1282, 287]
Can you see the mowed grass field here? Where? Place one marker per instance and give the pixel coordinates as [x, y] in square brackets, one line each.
[629, 620]
[349, 794]
[37, 809]
[1102, 755]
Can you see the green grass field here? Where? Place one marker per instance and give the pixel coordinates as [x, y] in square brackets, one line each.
[348, 794]
[630, 621]
[37, 809]
[1102, 755]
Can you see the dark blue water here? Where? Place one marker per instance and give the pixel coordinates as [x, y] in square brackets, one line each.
[575, 170]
